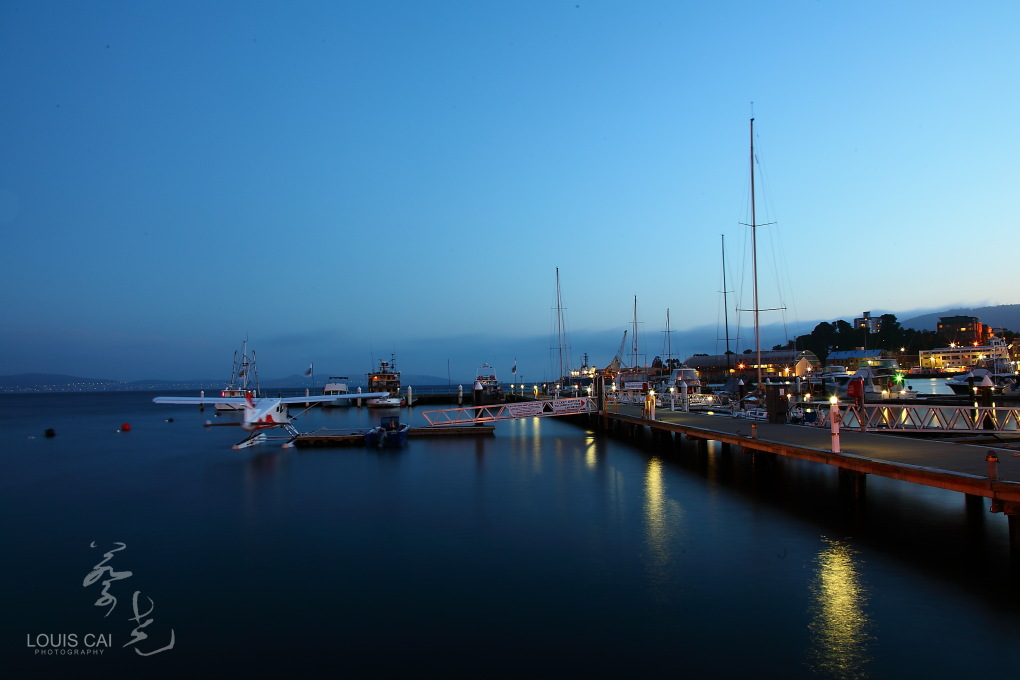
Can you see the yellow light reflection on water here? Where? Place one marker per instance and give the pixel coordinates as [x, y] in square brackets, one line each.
[591, 458]
[662, 518]
[839, 624]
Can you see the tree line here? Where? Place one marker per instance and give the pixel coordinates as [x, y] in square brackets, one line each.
[891, 337]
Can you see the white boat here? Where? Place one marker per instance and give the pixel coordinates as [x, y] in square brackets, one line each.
[686, 375]
[336, 386]
[486, 388]
[244, 380]
[967, 383]
[385, 380]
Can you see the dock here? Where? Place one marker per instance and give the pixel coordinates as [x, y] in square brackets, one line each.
[341, 438]
[986, 470]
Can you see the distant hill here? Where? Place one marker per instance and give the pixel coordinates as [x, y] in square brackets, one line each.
[40, 380]
[998, 316]
[354, 379]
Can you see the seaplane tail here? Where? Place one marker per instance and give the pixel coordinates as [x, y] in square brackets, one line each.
[265, 412]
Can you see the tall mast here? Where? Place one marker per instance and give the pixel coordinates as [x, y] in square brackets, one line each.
[726, 311]
[560, 333]
[669, 343]
[634, 338]
[754, 262]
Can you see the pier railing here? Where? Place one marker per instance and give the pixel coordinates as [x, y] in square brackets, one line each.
[472, 415]
[914, 418]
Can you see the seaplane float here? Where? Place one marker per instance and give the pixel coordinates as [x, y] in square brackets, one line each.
[262, 414]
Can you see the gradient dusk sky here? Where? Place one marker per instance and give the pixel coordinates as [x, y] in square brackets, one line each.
[336, 181]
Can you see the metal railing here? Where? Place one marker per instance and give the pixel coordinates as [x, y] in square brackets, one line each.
[913, 418]
[472, 415]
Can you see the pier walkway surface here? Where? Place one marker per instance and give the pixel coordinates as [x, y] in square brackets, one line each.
[956, 466]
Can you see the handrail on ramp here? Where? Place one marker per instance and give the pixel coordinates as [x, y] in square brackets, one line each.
[471, 415]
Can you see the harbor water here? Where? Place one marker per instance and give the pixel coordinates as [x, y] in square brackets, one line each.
[545, 551]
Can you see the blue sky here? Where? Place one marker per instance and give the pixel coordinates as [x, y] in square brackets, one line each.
[337, 181]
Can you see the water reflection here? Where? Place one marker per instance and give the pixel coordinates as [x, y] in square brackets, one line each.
[662, 519]
[839, 623]
[591, 458]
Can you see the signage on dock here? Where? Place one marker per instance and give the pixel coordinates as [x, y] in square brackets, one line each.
[525, 409]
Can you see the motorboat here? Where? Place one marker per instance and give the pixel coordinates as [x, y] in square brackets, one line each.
[486, 388]
[390, 433]
[967, 383]
[336, 386]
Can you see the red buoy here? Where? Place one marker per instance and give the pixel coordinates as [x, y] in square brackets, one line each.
[126, 427]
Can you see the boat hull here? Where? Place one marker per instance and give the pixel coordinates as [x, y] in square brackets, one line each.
[387, 439]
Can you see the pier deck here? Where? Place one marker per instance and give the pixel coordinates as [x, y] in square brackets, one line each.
[955, 466]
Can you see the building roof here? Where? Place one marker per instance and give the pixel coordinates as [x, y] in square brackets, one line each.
[842, 354]
[773, 356]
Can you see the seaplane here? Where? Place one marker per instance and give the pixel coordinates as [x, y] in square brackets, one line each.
[263, 414]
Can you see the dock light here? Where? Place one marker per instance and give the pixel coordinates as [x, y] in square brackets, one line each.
[834, 399]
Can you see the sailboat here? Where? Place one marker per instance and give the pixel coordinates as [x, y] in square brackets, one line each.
[756, 309]
[633, 382]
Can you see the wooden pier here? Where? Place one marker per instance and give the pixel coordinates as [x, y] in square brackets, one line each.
[978, 471]
[341, 438]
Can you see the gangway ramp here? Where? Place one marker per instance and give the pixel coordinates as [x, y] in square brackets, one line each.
[471, 415]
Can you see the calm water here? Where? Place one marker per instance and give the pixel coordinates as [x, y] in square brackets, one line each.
[541, 552]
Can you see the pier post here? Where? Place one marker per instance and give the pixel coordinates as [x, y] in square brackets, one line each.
[993, 465]
[852, 483]
[975, 505]
[834, 421]
[1013, 520]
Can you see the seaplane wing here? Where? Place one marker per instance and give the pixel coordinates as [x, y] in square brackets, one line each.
[242, 401]
[200, 400]
[332, 397]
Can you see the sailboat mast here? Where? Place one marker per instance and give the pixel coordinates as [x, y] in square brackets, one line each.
[726, 311]
[560, 334]
[669, 343]
[754, 263]
[634, 338]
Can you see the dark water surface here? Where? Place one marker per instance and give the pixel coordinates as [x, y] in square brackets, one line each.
[545, 551]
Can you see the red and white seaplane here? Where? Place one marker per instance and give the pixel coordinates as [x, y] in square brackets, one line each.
[264, 413]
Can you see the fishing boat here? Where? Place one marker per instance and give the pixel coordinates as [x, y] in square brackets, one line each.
[336, 386]
[486, 388]
[385, 380]
[390, 433]
[244, 380]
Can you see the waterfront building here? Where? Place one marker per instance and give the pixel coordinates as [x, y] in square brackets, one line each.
[872, 324]
[963, 330]
[960, 357]
[782, 363]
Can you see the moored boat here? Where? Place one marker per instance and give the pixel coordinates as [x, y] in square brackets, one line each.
[336, 386]
[385, 380]
[486, 388]
[391, 433]
[244, 380]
